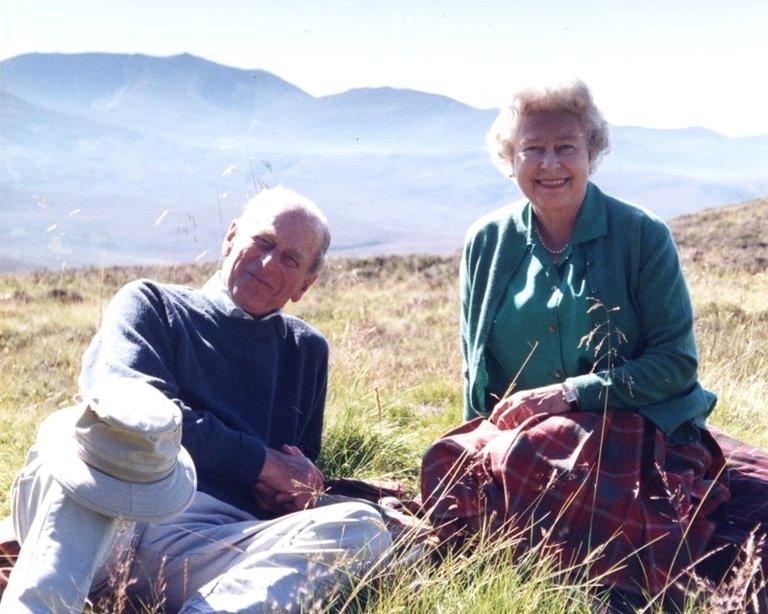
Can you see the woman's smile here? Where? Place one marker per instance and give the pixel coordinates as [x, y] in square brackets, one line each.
[551, 161]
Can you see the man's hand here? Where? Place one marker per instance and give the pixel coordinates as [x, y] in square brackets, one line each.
[288, 481]
[271, 503]
[512, 410]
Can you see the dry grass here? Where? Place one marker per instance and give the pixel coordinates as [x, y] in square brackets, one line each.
[394, 382]
[733, 238]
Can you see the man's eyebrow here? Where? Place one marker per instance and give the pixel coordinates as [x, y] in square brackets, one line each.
[264, 233]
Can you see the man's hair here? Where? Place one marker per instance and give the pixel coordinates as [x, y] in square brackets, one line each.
[279, 200]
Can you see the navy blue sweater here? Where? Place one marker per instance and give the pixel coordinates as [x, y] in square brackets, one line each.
[242, 384]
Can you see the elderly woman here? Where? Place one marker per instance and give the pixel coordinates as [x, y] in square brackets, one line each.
[565, 263]
[577, 345]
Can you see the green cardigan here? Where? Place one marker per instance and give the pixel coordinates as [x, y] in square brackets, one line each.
[632, 265]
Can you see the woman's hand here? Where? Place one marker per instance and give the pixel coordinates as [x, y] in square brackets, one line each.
[512, 410]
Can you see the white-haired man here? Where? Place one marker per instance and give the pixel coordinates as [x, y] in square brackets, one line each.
[250, 384]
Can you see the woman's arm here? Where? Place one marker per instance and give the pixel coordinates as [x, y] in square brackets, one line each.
[465, 289]
[666, 365]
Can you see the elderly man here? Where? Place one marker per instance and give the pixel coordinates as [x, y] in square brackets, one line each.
[250, 384]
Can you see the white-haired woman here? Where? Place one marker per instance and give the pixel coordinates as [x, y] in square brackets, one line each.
[577, 345]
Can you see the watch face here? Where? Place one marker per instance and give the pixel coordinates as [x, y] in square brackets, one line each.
[571, 396]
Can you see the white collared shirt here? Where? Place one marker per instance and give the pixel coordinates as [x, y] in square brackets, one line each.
[215, 290]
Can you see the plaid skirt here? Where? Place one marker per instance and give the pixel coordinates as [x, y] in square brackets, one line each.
[605, 487]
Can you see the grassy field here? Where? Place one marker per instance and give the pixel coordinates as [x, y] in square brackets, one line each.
[392, 324]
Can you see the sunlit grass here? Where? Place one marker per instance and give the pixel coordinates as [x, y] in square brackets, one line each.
[394, 386]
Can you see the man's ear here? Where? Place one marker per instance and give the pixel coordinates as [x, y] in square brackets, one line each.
[226, 246]
[308, 281]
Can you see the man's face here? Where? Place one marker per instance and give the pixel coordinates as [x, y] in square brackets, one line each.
[267, 260]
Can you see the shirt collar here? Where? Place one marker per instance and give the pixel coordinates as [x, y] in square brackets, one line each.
[590, 221]
[216, 292]
[528, 222]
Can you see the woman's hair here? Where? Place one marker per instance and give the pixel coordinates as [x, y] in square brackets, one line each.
[573, 98]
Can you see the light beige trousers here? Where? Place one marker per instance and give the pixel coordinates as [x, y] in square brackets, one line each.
[212, 558]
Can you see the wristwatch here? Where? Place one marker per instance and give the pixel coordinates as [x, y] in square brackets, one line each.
[570, 395]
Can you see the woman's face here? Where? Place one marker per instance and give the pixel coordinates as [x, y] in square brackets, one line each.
[551, 161]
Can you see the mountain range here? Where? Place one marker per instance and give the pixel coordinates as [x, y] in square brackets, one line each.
[121, 159]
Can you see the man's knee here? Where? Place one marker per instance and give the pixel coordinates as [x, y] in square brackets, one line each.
[361, 527]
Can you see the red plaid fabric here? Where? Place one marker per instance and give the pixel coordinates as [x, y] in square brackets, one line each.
[645, 504]
[9, 551]
[747, 473]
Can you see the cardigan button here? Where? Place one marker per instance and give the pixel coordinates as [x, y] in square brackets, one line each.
[558, 374]
[552, 328]
[589, 263]
[593, 290]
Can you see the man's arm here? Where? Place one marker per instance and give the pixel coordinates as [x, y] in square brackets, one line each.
[135, 341]
[289, 480]
[309, 438]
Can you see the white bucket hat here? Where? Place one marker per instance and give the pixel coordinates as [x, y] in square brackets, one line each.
[119, 452]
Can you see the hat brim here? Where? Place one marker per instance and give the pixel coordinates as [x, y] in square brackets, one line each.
[140, 502]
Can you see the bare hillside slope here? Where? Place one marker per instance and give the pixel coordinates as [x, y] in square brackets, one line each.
[733, 237]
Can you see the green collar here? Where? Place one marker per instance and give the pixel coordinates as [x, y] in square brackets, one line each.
[590, 222]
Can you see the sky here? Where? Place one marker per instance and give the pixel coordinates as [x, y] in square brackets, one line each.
[657, 64]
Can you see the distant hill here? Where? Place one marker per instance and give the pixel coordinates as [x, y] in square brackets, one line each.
[113, 158]
[725, 238]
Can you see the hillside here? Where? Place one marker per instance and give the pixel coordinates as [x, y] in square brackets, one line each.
[725, 238]
[126, 140]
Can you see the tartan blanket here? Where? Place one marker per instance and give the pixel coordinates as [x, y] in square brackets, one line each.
[607, 487]
[9, 551]
[747, 509]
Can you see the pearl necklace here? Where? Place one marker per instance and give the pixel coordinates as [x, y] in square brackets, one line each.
[554, 252]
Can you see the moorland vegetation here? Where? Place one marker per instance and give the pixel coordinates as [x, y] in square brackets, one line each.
[392, 324]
